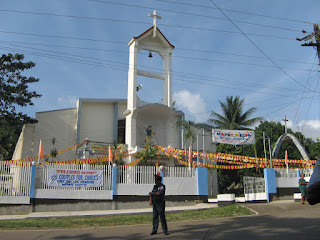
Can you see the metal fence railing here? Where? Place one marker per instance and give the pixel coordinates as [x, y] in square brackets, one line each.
[254, 185]
[283, 172]
[145, 174]
[136, 174]
[15, 179]
[178, 172]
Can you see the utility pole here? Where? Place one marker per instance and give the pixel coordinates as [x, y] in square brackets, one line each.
[316, 36]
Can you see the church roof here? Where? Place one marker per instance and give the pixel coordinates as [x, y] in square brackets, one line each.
[151, 29]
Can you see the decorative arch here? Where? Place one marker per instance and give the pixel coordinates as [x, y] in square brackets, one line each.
[289, 137]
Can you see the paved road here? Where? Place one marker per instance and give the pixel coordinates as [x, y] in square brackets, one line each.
[276, 220]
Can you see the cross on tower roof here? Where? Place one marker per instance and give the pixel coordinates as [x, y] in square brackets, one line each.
[155, 16]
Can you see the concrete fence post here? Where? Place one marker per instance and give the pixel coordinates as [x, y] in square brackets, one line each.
[33, 179]
[202, 181]
[114, 180]
[270, 183]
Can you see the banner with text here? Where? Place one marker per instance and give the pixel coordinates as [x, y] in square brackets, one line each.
[234, 137]
[75, 178]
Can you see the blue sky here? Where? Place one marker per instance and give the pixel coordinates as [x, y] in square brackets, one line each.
[250, 50]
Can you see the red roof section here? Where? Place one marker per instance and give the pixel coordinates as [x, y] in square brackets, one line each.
[157, 30]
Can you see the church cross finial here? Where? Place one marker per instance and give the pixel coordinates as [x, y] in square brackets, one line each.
[155, 16]
[285, 123]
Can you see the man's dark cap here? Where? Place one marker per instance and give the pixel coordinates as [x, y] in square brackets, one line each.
[156, 177]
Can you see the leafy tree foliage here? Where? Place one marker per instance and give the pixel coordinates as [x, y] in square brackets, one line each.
[230, 181]
[233, 116]
[14, 92]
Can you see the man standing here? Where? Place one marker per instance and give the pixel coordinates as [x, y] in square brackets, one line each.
[158, 204]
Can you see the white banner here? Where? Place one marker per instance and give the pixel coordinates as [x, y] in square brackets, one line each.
[234, 137]
[75, 178]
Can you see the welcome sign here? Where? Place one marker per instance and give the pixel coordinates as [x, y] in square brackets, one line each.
[75, 178]
[234, 137]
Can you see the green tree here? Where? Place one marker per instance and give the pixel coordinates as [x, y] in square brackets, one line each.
[14, 92]
[232, 115]
[149, 153]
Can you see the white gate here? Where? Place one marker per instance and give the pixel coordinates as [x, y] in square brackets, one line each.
[254, 188]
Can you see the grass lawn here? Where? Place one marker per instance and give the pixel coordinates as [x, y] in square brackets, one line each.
[82, 222]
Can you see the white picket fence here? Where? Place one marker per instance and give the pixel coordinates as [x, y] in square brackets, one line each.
[15, 181]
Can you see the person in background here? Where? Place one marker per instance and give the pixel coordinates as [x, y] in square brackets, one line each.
[158, 203]
[303, 188]
[313, 190]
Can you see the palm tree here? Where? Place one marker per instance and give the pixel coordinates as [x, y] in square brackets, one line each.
[232, 115]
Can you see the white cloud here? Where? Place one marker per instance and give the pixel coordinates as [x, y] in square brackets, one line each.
[191, 104]
[67, 101]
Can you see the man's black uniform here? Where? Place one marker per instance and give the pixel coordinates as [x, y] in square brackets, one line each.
[158, 204]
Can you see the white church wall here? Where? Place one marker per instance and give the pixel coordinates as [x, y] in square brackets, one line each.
[162, 120]
[59, 124]
[96, 123]
[24, 147]
[122, 107]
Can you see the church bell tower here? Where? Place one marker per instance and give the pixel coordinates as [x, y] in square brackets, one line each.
[154, 41]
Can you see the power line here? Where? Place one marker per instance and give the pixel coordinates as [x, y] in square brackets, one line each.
[240, 55]
[136, 22]
[236, 11]
[193, 14]
[62, 37]
[183, 49]
[102, 62]
[295, 118]
[244, 34]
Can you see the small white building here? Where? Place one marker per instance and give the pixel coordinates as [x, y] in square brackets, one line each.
[114, 120]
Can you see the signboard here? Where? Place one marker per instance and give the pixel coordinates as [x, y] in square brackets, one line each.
[75, 178]
[234, 137]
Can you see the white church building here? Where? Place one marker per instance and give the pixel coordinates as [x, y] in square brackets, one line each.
[106, 121]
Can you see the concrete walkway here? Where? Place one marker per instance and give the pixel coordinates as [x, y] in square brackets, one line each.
[275, 220]
[103, 212]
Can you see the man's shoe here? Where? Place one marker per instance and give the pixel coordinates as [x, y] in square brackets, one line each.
[153, 233]
[166, 233]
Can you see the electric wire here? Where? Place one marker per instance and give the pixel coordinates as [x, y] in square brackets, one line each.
[102, 62]
[302, 96]
[192, 14]
[183, 49]
[145, 23]
[245, 35]
[236, 11]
